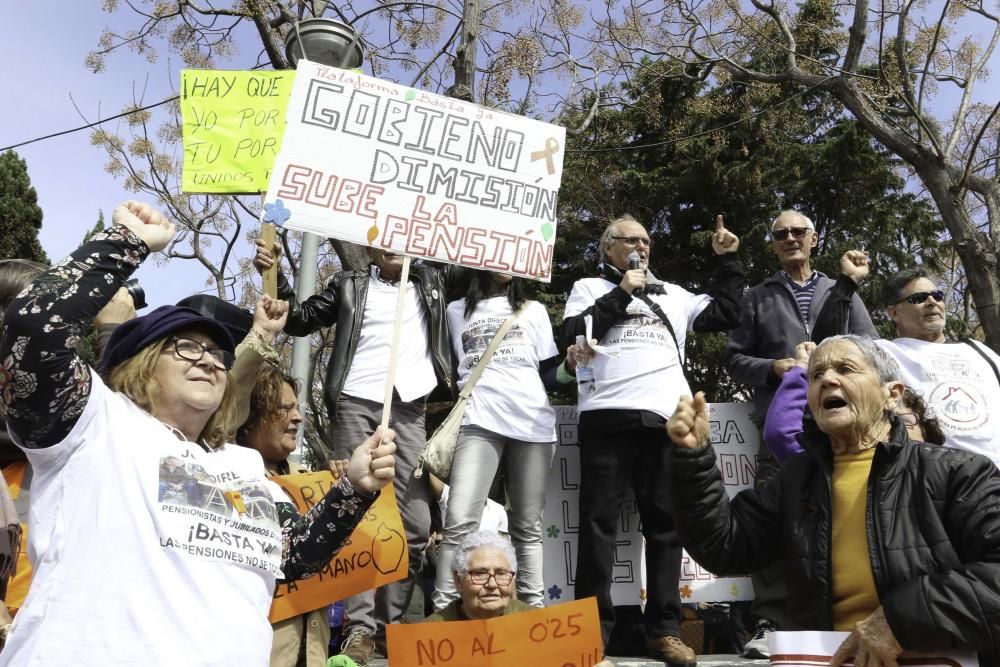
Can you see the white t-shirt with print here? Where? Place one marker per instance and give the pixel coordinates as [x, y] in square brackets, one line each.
[647, 373]
[959, 384]
[510, 397]
[415, 375]
[139, 552]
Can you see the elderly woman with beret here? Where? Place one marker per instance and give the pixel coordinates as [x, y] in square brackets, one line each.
[896, 541]
[123, 574]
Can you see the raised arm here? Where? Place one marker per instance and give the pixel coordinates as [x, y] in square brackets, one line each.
[44, 384]
[723, 312]
[843, 312]
[311, 540]
[305, 317]
[726, 538]
[268, 320]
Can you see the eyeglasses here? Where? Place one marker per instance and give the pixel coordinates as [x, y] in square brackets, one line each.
[918, 298]
[782, 234]
[633, 240]
[192, 350]
[480, 577]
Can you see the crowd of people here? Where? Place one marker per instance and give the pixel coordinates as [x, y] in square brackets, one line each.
[157, 532]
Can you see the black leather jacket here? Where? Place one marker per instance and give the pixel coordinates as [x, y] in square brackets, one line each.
[933, 523]
[342, 303]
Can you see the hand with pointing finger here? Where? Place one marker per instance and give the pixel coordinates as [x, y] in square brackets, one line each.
[723, 240]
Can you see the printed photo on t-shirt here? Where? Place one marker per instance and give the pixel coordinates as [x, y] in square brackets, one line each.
[478, 336]
[218, 515]
[189, 485]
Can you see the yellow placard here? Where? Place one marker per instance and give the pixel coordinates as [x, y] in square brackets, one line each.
[374, 555]
[563, 635]
[233, 122]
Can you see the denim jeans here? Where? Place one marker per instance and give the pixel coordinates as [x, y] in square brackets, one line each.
[477, 458]
[357, 418]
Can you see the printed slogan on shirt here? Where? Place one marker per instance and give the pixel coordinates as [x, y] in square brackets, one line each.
[374, 555]
[380, 164]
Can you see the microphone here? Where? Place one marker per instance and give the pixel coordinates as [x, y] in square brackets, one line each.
[635, 262]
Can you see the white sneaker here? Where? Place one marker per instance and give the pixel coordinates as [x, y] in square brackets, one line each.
[756, 648]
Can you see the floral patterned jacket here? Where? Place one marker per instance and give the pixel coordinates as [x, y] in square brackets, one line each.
[44, 384]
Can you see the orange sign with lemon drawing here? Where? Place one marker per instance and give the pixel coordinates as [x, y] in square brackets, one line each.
[374, 555]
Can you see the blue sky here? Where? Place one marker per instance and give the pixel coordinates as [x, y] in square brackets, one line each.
[46, 42]
[51, 39]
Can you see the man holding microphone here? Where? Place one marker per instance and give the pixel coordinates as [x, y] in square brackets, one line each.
[643, 322]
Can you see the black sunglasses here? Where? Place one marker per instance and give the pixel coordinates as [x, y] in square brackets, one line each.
[782, 234]
[918, 298]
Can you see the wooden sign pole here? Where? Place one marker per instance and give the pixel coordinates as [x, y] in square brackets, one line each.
[390, 376]
[267, 235]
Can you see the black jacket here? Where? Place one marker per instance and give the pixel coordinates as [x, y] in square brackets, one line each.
[342, 303]
[933, 523]
[721, 314]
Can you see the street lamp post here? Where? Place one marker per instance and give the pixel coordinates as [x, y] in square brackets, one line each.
[329, 42]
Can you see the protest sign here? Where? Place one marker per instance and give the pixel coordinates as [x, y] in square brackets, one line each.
[17, 588]
[564, 635]
[384, 165]
[232, 126]
[374, 555]
[815, 649]
[735, 440]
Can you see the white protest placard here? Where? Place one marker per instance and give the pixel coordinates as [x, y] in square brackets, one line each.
[814, 649]
[384, 165]
[735, 440]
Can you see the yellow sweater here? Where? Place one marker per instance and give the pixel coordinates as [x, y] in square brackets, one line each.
[854, 595]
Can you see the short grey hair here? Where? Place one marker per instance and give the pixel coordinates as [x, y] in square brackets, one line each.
[477, 540]
[882, 362]
[609, 232]
[801, 216]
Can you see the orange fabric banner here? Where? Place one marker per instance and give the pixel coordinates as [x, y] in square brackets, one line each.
[375, 554]
[563, 635]
[17, 588]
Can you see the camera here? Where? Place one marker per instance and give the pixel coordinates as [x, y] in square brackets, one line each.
[138, 294]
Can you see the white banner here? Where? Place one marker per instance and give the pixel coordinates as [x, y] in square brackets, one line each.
[815, 649]
[383, 165]
[735, 439]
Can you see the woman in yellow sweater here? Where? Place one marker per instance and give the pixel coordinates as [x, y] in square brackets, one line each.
[896, 541]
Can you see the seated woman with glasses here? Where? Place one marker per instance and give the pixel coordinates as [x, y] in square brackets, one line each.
[123, 576]
[483, 569]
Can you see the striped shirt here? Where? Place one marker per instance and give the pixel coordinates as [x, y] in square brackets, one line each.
[803, 293]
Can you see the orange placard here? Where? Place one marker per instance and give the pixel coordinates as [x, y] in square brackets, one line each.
[17, 588]
[375, 554]
[563, 635]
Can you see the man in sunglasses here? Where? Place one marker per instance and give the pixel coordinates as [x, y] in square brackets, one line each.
[643, 321]
[777, 315]
[959, 379]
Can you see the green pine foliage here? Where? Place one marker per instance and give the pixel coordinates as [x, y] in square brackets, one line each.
[20, 215]
[678, 170]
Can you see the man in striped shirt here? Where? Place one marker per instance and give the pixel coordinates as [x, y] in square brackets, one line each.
[777, 315]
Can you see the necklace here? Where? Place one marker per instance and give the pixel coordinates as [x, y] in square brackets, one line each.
[181, 436]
